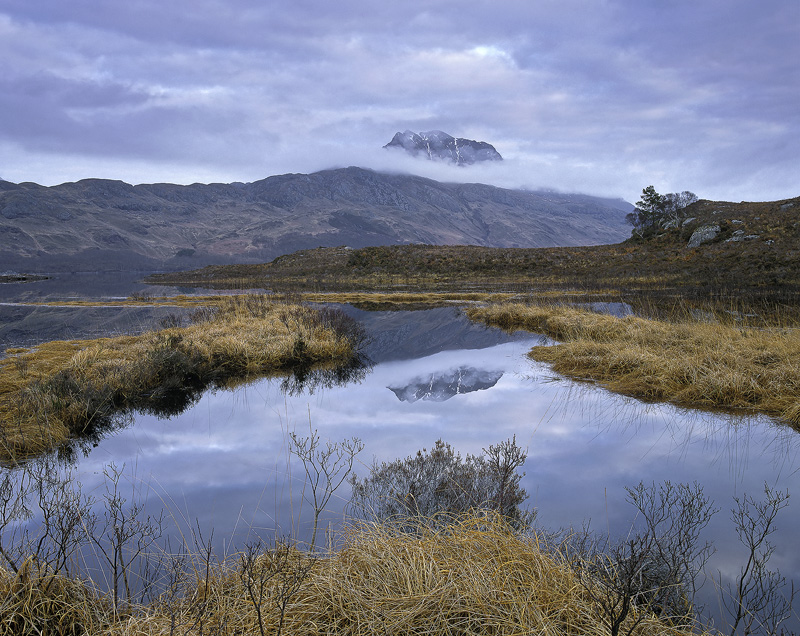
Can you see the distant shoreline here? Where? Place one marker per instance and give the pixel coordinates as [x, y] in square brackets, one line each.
[21, 278]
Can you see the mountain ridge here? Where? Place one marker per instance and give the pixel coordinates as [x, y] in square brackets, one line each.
[98, 224]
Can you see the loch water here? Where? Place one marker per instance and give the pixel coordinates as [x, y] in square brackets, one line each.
[223, 463]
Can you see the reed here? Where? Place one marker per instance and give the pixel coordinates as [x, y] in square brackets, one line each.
[62, 389]
[695, 360]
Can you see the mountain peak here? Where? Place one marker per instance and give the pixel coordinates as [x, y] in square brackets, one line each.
[438, 145]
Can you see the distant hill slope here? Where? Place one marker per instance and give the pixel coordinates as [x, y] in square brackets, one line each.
[98, 224]
[718, 247]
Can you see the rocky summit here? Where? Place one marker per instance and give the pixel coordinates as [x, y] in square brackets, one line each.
[438, 145]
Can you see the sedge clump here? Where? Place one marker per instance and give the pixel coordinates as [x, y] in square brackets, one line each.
[688, 360]
[62, 389]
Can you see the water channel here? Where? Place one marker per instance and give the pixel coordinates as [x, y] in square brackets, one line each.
[224, 463]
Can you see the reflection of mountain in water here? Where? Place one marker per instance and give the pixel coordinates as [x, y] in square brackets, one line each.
[406, 335]
[442, 386]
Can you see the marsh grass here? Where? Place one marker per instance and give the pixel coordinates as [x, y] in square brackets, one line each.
[696, 358]
[471, 576]
[398, 300]
[62, 389]
[39, 602]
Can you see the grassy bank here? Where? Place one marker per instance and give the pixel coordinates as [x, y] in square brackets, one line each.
[64, 389]
[474, 577]
[702, 361]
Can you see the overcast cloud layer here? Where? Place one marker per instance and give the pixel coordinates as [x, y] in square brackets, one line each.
[597, 96]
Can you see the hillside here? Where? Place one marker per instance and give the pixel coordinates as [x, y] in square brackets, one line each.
[756, 248]
[97, 224]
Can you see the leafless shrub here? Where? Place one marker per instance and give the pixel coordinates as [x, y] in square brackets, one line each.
[203, 314]
[21, 365]
[343, 325]
[326, 468]
[44, 519]
[124, 542]
[171, 321]
[441, 483]
[758, 601]
[271, 578]
[654, 570]
[288, 297]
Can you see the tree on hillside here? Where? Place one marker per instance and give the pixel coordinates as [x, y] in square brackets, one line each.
[675, 203]
[654, 210]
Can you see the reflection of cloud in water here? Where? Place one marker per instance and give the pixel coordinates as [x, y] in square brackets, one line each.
[443, 385]
[225, 461]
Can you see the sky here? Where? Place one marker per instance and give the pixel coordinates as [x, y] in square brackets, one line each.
[602, 97]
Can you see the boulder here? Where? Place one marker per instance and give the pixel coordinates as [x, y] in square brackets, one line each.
[703, 234]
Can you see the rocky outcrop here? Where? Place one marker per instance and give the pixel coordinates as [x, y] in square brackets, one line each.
[739, 235]
[438, 145]
[703, 234]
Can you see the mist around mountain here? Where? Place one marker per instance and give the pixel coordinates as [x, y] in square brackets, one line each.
[101, 225]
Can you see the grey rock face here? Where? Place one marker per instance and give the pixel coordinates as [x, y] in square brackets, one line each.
[703, 235]
[739, 235]
[436, 144]
[742, 237]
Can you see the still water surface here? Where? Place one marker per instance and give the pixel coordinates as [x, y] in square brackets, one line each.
[224, 464]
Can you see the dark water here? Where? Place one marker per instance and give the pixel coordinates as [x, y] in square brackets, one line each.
[224, 463]
[24, 323]
[64, 286]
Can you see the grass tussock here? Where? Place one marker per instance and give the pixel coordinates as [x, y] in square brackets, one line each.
[65, 388]
[37, 602]
[474, 576]
[690, 361]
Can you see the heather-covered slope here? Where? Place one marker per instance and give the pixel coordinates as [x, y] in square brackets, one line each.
[719, 247]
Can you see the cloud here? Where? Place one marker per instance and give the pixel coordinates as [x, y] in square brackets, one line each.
[603, 96]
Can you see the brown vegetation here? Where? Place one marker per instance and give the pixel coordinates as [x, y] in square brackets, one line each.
[471, 577]
[755, 253]
[703, 362]
[65, 388]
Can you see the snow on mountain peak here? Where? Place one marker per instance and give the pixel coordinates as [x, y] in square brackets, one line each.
[438, 145]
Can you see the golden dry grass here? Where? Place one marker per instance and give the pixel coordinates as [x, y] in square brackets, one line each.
[472, 577]
[39, 603]
[55, 390]
[372, 300]
[689, 362]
